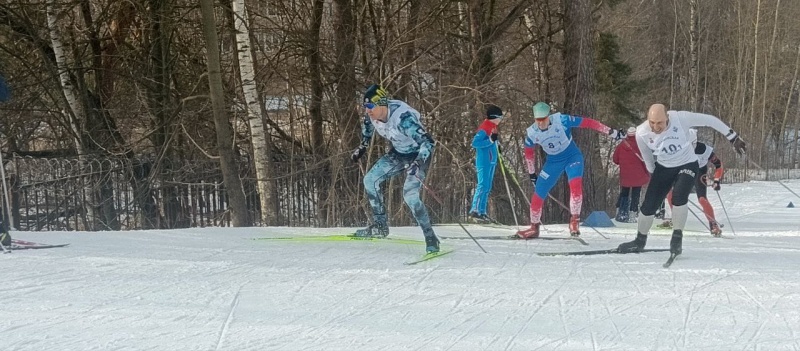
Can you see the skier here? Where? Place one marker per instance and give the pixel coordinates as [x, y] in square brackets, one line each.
[633, 175]
[705, 156]
[485, 144]
[664, 135]
[554, 134]
[411, 152]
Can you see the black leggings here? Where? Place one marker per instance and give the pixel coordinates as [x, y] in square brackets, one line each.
[680, 179]
[633, 194]
[700, 185]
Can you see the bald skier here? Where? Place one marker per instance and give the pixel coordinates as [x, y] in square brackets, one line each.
[668, 153]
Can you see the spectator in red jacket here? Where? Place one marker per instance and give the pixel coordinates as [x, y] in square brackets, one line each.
[633, 175]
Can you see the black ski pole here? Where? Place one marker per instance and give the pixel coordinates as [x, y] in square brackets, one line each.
[726, 212]
[441, 203]
[779, 181]
[695, 216]
[508, 189]
[568, 210]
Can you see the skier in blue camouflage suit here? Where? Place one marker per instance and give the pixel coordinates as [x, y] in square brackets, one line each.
[410, 153]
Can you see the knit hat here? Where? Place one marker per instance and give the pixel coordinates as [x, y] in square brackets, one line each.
[631, 131]
[541, 110]
[493, 112]
[375, 94]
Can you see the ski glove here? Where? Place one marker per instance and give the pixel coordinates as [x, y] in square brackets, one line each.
[357, 153]
[493, 137]
[715, 185]
[739, 145]
[616, 134]
[413, 168]
[534, 178]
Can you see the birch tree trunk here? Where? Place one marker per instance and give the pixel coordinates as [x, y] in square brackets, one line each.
[227, 157]
[755, 79]
[75, 111]
[693, 36]
[262, 145]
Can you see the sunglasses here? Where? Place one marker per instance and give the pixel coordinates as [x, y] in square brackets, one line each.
[369, 105]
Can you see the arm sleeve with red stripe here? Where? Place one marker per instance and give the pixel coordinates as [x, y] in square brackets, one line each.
[714, 160]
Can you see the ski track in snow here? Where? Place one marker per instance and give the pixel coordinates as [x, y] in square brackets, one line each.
[217, 289]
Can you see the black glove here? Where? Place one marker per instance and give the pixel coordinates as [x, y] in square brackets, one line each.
[413, 168]
[715, 185]
[616, 134]
[357, 153]
[534, 178]
[493, 137]
[739, 145]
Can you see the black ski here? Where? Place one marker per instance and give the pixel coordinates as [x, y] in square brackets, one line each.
[28, 245]
[596, 252]
[515, 238]
[670, 260]
[34, 247]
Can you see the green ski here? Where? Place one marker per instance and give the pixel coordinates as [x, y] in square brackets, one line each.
[428, 257]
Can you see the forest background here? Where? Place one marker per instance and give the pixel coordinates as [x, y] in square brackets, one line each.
[174, 113]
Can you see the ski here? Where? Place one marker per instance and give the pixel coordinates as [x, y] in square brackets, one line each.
[29, 245]
[596, 252]
[339, 237]
[671, 259]
[428, 257]
[516, 238]
[34, 247]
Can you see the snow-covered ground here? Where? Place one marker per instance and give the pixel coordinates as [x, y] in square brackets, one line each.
[217, 289]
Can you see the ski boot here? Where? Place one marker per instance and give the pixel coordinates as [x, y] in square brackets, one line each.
[574, 226]
[675, 244]
[716, 231]
[667, 224]
[634, 217]
[633, 246]
[622, 217]
[486, 219]
[480, 218]
[377, 230]
[5, 239]
[530, 233]
[431, 244]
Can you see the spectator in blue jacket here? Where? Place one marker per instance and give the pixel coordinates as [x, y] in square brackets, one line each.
[485, 144]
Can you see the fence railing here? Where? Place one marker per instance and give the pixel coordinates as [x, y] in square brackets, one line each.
[125, 194]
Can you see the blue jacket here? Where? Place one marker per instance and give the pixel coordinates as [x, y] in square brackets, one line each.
[485, 148]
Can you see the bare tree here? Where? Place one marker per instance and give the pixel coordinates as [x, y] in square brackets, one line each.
[262, 145]
[227, 157]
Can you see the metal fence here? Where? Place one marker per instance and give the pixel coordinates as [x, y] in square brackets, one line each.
[127, 194]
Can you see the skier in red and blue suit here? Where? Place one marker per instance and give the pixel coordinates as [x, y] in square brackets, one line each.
[485, 145]
[553, 133]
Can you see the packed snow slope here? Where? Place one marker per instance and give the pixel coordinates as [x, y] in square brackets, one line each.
[219, 289]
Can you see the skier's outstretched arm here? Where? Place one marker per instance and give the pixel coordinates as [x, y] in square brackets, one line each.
[588, 123]
[694, 119]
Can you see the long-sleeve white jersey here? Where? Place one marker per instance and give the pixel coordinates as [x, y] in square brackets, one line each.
[673, 147]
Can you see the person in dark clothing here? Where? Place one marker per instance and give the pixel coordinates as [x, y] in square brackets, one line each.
[633, 175]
